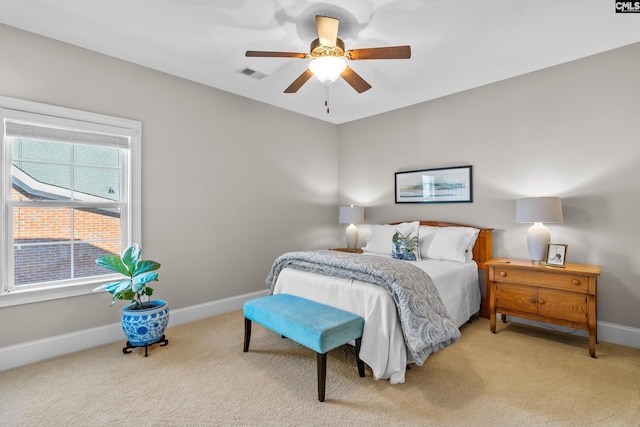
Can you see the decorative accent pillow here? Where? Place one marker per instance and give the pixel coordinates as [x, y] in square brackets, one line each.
[452, 244]
[406, 248]
[380, 237]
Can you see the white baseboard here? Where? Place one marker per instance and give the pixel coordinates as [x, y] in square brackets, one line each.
[607, 332]
[35, 351]
[617, 334]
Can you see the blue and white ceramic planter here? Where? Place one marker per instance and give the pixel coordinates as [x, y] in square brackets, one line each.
[145, 326]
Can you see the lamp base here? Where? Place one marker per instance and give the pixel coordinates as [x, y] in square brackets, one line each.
[352, 237]
[538, 239]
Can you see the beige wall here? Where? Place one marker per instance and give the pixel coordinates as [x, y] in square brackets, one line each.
[572, 131]
[228, 184]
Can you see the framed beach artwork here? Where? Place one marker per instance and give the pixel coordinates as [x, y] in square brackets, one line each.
[441, 185]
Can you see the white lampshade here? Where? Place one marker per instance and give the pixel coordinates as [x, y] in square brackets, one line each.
[538, 210]
[351, 215]
[327, 68]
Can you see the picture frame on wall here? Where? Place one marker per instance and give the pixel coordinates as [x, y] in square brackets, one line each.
[440, 185]
[556, 254]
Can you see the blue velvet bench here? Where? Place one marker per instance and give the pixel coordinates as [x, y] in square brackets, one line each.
[316, 326]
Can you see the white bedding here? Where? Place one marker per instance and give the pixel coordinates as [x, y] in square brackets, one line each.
[383, 348]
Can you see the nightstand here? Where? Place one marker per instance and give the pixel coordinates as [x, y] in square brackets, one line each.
[563, 296]
[353, 251]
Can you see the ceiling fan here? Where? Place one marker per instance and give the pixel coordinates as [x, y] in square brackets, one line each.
[328, 52]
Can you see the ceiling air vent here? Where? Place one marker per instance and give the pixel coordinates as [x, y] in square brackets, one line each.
[251, 73]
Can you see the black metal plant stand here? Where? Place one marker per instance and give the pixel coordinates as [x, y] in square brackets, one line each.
[162, 341]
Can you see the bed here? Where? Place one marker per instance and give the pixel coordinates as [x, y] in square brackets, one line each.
[453, 257]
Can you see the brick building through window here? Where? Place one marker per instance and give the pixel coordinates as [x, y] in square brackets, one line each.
[43, 251]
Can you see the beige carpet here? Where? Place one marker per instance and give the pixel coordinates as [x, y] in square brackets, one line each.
[520, 376]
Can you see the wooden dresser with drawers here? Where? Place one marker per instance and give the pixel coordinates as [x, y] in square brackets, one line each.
[563, 296]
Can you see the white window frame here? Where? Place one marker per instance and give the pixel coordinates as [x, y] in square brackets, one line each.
[20, 110]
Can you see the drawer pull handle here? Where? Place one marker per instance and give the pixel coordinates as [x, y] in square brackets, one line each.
[541, 301]
[503, 274]
[575, 281]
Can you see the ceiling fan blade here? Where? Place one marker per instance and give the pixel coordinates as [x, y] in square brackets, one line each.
[297, 83]
[262, 54]
[391, 52]
[354, 79]
[327, 30]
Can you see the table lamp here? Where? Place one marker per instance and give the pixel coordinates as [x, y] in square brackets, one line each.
[538, 210]
[352, 215]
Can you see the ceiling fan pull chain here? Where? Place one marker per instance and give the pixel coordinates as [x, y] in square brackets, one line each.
[326, 97]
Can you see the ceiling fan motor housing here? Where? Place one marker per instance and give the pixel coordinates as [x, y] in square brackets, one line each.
[317, 50]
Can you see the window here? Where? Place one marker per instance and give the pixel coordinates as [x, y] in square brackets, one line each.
[70, 193]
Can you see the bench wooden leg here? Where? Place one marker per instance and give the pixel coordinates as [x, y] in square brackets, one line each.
[247, 334]
[359, 362]
[322, 375]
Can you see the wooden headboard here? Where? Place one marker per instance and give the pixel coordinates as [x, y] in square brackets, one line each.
[482, 252]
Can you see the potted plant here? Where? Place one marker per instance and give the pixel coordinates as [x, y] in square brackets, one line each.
[143, 321]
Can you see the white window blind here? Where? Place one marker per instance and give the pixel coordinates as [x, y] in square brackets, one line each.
[48, 133]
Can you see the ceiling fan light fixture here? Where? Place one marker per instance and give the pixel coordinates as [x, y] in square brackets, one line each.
[327, 68]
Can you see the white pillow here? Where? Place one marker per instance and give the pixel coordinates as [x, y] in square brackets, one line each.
[426, 233]
[380, 239]
[474, 233]
[452, 244]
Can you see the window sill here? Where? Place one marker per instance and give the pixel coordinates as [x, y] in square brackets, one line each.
[28, 296]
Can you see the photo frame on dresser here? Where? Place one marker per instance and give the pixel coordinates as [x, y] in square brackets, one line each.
[556, 254]
[440, 185]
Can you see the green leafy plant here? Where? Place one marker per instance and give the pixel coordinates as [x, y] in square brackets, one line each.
[138, 275]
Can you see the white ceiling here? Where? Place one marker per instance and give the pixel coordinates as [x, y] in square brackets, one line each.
[456, 44]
